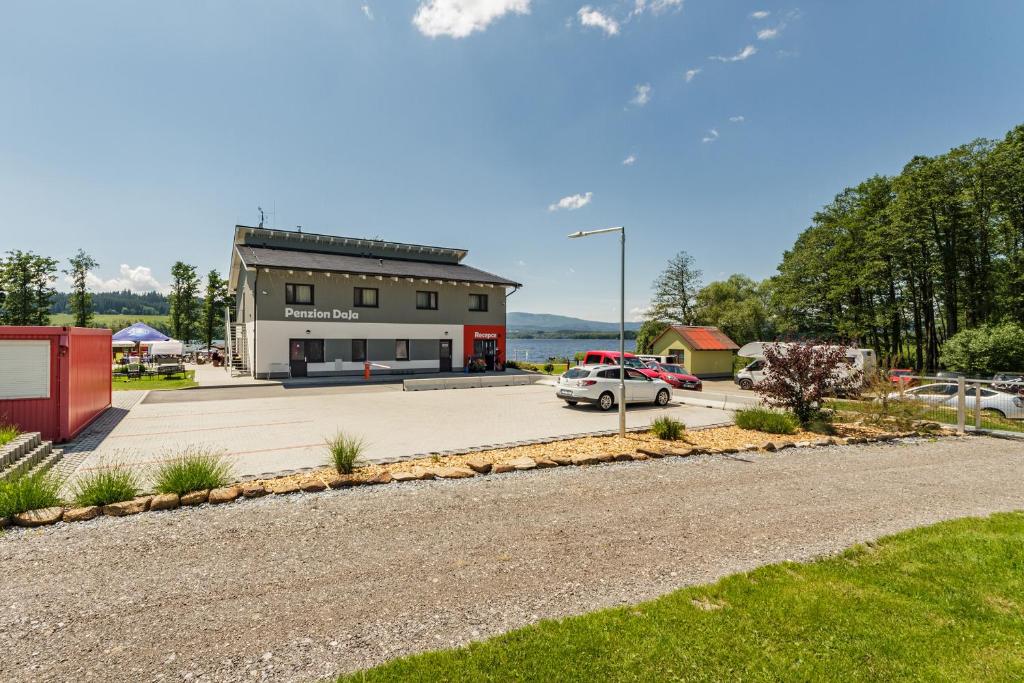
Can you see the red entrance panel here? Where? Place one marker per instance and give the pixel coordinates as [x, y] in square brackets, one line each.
[476, 336]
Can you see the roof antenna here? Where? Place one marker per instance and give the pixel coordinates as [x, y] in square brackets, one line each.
[260, 209]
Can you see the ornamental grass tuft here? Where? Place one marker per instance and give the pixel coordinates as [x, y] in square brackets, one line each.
[668, 429]
[103, 487]
[194, 469]
[8, 433]
[764, 420]
[29, 492]
[343, 451]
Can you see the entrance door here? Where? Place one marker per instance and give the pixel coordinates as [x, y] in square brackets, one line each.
[486, 349]
[445, 355]
[302, 352]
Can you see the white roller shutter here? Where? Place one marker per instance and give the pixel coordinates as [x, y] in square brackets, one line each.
[24, 368]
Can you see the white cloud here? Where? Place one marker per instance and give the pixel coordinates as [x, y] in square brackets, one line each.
[459, 18]
[137, 279]
[630, 160]
[748, 51]
[639, 313]
[643, 94]
[760, 14]
[367, 11]
[655, 6]
[572, 202]
[520, 263]
[692, 73]
[711, 136]
[737, 119]
[591, 17]
[768, 33]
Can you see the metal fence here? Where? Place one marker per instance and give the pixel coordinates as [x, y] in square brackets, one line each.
[966, 404]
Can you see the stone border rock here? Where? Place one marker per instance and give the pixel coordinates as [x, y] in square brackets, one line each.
[477, 467]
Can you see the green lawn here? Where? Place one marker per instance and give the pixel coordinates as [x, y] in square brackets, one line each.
[156, 383]
[944, 602]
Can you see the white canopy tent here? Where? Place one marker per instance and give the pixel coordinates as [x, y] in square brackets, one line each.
[171, 347]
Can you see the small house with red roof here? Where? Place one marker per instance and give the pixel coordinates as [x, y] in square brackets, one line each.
[706, 352]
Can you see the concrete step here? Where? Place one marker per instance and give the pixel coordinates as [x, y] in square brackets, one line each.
[27, 461]
[49, 461]
[14, 450]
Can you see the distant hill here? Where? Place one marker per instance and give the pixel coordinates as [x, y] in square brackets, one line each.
[119, 303]
[547, 322]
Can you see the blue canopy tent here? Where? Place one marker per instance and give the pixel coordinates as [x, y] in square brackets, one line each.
[158, 342]
[140, 333]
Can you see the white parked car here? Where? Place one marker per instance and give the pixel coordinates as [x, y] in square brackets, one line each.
[599, 384]
[944, 394]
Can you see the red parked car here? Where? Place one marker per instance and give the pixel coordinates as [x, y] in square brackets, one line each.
[902, 377]
[676, 376]
[612, 358]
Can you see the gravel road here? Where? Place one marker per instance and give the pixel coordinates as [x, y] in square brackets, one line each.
[305, 586]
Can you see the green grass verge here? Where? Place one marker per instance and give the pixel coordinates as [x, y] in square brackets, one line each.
[156, 383]
[936, 414]
[944, 602]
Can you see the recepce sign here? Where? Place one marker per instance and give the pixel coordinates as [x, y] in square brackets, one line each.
[318, 314]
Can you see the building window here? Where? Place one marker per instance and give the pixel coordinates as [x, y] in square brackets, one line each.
[426, 301]
[301, 295]
[366, 297]
[358, 350]
[401, 349]
[478, 302]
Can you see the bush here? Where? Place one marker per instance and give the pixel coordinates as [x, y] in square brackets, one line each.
[799, 376]
[192, 470]
[29, 492]
[763, 420]
[549, 368]
[511, 364]
[668, 429]
[344, 451]
[8, 433]
[982, 351]
[102, 487]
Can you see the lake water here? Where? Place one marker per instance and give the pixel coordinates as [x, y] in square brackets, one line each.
[541, 349]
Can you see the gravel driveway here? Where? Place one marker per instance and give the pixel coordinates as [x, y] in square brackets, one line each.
[302, 587]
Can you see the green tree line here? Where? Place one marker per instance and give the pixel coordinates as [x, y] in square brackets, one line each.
[902, 264]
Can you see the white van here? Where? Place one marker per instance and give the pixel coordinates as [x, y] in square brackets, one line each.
[862, 360]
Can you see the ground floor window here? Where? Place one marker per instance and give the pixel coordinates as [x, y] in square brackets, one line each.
[358, 350]
[401, 349]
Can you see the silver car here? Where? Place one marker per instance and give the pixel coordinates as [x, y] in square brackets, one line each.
[944, 394]
[599, 384]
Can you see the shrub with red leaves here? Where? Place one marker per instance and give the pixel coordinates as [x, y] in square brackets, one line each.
[799, 376]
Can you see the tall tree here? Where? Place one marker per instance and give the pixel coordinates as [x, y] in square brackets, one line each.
[738, 306]
[675, 289]
[26, 281]
[648, 332]
[184, 301]
[80, 300]
[213, 305]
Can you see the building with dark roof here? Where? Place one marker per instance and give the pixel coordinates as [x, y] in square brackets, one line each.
[308, 304]
[706, 352]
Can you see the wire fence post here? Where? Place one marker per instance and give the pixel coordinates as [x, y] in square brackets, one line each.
[961, 405]
[977, 406]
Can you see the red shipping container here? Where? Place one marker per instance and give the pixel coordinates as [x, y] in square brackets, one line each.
[54, 380]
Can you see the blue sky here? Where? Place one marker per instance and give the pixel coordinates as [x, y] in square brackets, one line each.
[144, 132]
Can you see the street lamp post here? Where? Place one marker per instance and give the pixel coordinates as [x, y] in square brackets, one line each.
[622, 315]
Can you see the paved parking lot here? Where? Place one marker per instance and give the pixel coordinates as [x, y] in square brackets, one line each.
[268, 429]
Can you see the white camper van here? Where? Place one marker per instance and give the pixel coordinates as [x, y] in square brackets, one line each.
[862, 360]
